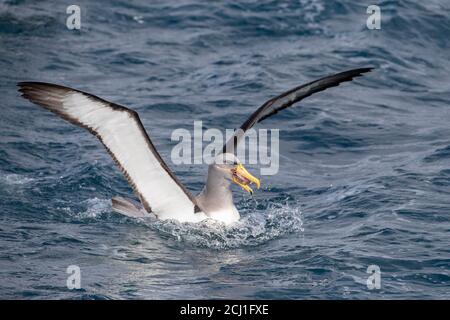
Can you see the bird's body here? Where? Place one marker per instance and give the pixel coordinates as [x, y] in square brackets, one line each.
[216, 201]
[159, 191]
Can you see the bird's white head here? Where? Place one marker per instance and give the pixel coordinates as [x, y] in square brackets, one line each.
[233, 170]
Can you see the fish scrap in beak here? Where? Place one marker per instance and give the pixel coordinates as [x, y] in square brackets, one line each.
[243, 178]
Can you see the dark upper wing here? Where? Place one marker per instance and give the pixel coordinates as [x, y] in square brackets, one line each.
[287, 99]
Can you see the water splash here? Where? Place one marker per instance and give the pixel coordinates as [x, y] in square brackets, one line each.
[256, 227]
[93, 208]
[260, 222]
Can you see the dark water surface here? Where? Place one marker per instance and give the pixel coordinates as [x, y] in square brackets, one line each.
[364, 170]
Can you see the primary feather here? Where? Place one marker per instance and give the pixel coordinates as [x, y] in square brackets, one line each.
[122, 133]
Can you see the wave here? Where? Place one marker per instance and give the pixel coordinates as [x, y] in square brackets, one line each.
[15, 179]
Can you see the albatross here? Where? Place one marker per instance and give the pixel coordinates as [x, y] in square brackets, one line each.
[159, 191]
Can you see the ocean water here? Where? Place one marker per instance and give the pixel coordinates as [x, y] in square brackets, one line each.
[364, 173]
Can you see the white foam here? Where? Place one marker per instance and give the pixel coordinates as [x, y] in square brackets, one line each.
[16, 179]
[95, 208]
[254, 228]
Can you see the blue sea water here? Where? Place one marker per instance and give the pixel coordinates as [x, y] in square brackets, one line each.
[364, 173]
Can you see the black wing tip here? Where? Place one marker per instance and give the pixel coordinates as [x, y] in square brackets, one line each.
[34, 90]
[24, 86]
[24, 83]
[366, 69]
[359, 71]
[31, 90]
[37, 84]
[349, 75]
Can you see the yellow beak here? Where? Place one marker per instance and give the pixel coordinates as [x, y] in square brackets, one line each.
[243, 178]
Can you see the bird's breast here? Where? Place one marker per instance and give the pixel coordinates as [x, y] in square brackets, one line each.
[225, 215]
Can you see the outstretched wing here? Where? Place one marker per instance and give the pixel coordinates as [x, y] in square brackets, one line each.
[287, 99]
[122, 133]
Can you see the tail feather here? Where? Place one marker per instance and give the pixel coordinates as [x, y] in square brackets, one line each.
[129, 208]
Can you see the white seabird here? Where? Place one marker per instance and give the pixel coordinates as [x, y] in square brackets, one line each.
[121, 132]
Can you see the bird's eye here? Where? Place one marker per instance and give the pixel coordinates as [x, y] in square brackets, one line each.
[231, 163]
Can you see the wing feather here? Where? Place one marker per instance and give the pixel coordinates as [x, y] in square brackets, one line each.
[287, 99]
[121, 132]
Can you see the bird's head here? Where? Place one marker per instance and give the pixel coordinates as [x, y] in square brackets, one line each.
[234, 170]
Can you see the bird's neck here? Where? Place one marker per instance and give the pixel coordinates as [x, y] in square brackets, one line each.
[216, 198]
[217, 188]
